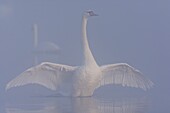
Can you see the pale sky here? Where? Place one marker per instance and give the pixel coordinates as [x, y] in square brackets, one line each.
[136, 32]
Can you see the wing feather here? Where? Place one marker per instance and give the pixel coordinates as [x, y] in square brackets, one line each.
[124, 75]
[49, 75]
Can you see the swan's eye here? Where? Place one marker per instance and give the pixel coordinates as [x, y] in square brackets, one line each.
[91, 13]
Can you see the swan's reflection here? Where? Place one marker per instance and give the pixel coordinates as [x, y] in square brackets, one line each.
[81, 105]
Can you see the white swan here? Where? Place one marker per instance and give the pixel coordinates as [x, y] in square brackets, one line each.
[46, 48]
[81, 80]
[43, 48]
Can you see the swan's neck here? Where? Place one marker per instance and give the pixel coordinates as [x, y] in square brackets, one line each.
[88, 57]
[35, 28]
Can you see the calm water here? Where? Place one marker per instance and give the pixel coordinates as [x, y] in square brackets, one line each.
[78, 105]
[123, 100]
[57, 104]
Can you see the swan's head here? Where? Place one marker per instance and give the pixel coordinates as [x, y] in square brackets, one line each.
[89, 13]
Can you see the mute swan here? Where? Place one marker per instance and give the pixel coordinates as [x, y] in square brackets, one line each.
[42, 48]
[81, 80]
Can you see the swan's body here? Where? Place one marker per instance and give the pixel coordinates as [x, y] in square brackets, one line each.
[81, 80]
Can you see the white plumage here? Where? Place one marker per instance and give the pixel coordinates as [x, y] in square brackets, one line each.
[81, 80]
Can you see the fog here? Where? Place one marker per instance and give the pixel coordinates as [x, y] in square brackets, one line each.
[128, 31]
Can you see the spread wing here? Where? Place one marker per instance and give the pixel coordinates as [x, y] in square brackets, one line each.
[49, 75]
[124, 75]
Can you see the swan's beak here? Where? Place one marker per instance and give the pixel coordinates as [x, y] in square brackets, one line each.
[93, 14]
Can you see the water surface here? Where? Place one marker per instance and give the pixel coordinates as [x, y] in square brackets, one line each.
[78, 105]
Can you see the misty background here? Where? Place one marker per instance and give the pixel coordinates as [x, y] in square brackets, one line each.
[126, 31]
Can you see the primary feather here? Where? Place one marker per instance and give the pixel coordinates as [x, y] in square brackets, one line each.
[124, 75]
[47, 74]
